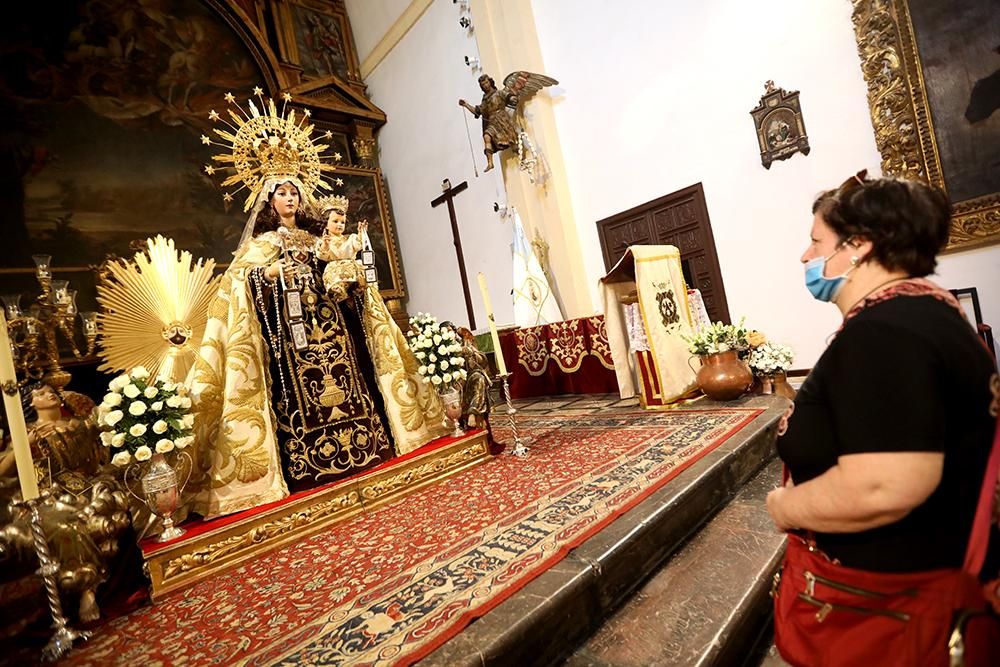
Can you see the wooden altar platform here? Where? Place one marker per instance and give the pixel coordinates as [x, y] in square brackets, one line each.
[212, 547]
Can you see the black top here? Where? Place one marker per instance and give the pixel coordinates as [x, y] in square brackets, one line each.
[907, 374]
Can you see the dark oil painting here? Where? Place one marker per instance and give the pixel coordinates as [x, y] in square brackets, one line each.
[105, 102]
[959, 47]
[320, 42]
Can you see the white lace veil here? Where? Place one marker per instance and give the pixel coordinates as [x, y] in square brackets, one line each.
[271, 184]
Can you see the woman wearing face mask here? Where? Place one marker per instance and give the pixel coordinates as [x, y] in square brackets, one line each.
[888, 445]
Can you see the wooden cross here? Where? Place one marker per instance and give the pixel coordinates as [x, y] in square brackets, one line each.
[448, 197]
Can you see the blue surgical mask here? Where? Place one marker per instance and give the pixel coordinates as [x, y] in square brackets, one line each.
[821, 287]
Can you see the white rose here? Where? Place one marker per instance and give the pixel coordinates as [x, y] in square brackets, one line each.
[444, 364]
[144, 453]
[442, 349]
[433, 357]
[446, 377]
[106, 438]
[119, 383]
[149, 392]
[112, 399]
[174, 402]
[118, 440]
[160, 427]
[463, 374]
[422, 370]
[187, 421]
[723, 347]
[431, 368]
[139, 372]
[157, 406]
[137, 430]
[184, 441]
[458, 361]
[420, 355]
[169, 386]
[137, 408]
[437, 339]
[121, 459]
[113, 417]
[185, 402]
[131, 391]
[164, 445]
[436, 380]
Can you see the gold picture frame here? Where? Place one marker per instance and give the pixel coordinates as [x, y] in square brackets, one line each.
[900, 98]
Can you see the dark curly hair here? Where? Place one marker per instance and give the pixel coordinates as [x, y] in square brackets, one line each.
[907, 222]
[268, 220]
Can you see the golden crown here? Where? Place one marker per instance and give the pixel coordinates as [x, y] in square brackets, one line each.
[263, 144]
[338, 202]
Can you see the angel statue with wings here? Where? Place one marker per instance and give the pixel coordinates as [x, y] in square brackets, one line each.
[499, 130]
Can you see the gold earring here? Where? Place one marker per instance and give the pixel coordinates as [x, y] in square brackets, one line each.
[854, 260]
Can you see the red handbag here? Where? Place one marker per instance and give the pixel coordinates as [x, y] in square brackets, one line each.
[828, 615]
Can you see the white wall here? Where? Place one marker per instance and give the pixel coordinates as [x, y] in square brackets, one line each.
[370, 19]
[418, 85]
[656, 96]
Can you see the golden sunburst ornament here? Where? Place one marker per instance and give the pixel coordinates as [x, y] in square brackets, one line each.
[262, 144]
[154, 310]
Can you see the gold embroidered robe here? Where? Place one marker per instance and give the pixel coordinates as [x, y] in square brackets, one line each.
[235, 422]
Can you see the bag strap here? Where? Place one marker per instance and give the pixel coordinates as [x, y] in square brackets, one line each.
[975, 555]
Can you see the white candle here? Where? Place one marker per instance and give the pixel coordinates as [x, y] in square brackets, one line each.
[501, 367]
[15, 418]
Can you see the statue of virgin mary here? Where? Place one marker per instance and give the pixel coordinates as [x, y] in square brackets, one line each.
[295, 385]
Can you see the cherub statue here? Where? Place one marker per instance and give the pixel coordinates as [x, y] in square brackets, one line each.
[476, 392]
[499, 130]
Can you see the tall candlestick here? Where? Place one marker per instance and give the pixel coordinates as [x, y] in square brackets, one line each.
[501, 367]
[15, 417]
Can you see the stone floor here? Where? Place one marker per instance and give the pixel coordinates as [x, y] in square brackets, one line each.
[706, 605]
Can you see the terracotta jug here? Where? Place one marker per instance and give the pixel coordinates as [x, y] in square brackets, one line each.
[723, 376]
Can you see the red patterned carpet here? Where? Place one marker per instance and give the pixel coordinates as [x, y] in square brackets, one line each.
[389, 586]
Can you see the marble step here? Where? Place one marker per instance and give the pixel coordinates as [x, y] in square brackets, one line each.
[546, 620]
[710, 604]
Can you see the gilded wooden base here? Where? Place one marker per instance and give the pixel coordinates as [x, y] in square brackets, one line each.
[180, 564]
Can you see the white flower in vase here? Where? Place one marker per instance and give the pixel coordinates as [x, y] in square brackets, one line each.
[113, 417]
[436, 380]
[131, 391]
[140, 372]
[174, 402]
[112, 399]
[137, 430]
[156, 406]
[121, 459]
[164, 445]
[143, 453]
[149, 392]
[184, 441]
[118, 439]
[160, 427]
[106, 437]
[137, 408]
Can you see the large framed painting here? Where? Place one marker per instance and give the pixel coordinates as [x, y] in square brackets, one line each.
[103, 123]
[366, 192]
[933, 74]
[316, 36]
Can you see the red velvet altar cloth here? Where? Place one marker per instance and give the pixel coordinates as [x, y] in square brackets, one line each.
[571, 357]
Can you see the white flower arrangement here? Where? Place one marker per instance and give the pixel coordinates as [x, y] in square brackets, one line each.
[718, 337]
[438, 351]
[770, 358]
[142, 415]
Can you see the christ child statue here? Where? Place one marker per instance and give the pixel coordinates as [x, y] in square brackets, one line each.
[334, 244]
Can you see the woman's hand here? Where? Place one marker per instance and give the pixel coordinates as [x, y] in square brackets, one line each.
[775, 506]
[272, 272]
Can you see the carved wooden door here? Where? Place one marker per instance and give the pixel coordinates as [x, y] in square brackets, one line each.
[679, 219]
